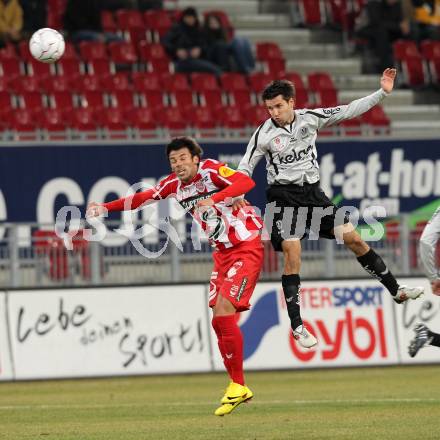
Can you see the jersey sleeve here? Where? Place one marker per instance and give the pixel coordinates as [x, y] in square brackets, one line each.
[329, 116]
[231, 183]
[428, 244]
[161, 191]
[254, 152]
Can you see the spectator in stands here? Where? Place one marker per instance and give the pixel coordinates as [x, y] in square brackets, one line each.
[11, 21]
[221, 47]
[34, 15]
[144, 5]
[382, 22]
[83, 21]
[426, 16]
[185, 43]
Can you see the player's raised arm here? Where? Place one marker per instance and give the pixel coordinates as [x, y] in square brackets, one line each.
[254, 152]
[233, 184]
[161, 191]
[330, 116]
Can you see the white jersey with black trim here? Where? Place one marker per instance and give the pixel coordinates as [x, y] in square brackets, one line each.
[290, 151]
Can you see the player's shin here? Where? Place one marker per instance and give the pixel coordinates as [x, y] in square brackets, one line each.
[291, 286]
[376, 267]
[232, 340]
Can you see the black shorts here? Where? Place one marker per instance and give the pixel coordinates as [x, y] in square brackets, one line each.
[295, 211]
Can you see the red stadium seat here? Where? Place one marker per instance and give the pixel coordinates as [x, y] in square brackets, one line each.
[203, 121]
[108, 22]
[32, 101]
[122, 99]
[131, 22]
[100, 67]
[322, 86]
[256, 115]
[143, 81]
[114, 123]
[24, 52]
[296, 79]
[237, 89]
[414, 71]
[302, 98]
[70, 52]
[268, 51]
[204, 81]
[183, 99]
[8, 51]
[5, 103]
[118, 81]
[377, 120]
[175, 82]
[93, 50]
[4, 84]
[56, 84]
[143, 120]
[10, 68]
[122, 53]
[351, 127]
[173, 120]
[152, 98]
[69, 68]
[155, 57]
[83, 120]
[158, 22]
[258, 81]
[312, 12]
[62, 100]
[92, 99]
[22, 121]
[21, 84]
[431, 53]
[232, 118]
[405, 48]
[53, 122]
[39, 69]
[87, 83]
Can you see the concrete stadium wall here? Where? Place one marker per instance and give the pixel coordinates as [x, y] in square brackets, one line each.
[63, 333]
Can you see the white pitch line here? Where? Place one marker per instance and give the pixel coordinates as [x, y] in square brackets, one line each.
[254, 402]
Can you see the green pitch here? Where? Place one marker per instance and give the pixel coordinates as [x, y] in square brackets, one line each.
[375, 403]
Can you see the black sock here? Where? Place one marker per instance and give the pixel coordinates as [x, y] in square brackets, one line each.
[376, 267]
[435, 338]
[291, 285]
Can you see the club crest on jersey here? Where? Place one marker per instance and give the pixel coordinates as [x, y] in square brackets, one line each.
[200, 186]
[304, 132]
[226, 171]
[234, 269]
[277, 144]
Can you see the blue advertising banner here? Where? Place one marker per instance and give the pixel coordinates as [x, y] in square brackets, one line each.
[35, 181]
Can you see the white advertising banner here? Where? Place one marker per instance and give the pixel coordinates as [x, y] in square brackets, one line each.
[5, 360]
[424, 310]
[109, 331]
[353, 321]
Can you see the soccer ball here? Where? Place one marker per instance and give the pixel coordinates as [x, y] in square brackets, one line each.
[47, 45]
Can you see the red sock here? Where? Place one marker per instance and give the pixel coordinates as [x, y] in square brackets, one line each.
[232, 341]
[216, 327]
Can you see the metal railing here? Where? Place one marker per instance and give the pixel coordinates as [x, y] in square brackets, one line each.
[32, 255]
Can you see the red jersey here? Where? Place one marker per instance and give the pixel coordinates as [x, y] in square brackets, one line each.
[224, 227]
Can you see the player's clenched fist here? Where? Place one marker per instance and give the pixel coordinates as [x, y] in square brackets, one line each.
[95, 210]
[387, 80]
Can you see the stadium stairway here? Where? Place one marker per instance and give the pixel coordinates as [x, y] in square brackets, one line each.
[305, 52]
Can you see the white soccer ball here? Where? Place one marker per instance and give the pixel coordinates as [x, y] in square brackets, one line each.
[47, 45]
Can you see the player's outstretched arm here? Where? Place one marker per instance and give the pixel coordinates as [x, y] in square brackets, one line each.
[387, 80]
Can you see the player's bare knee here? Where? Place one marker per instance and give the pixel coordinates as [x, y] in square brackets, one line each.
[223, 307]
[354, 242]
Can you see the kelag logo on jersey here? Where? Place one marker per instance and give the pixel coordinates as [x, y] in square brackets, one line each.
[296, 156]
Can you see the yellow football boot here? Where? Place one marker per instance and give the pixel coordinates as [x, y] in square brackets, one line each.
[235, 394]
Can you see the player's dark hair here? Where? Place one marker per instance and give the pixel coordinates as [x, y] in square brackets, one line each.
[185, 142]
[281, 87]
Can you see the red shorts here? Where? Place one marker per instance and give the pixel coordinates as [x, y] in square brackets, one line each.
[235, 273]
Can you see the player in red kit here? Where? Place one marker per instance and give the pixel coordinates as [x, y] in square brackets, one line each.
[204, 188]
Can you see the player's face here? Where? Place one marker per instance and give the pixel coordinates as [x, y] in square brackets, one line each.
[280, 110]
[183, 164]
